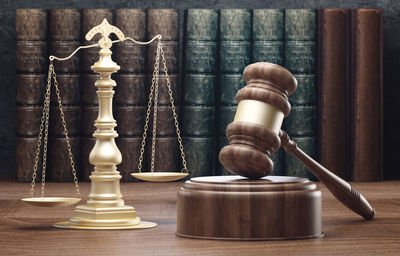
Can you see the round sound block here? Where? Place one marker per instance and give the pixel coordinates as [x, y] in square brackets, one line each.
[237, 208]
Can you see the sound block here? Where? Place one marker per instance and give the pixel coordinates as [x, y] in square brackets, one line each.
[237, 208]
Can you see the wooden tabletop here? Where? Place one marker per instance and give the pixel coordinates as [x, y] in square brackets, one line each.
[27, 230]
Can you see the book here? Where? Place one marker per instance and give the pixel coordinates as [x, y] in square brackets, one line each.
[65, 24]
[334, 87]
[132, 22]
[31, 77]
[234, 55]
[300, 59]
[164, 22]
[268, 46]
[92, 18]
[366, 94]
[198, 122]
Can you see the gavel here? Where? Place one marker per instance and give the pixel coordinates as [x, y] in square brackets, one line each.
[255, 134]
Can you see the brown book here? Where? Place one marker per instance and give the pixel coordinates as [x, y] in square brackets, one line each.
[130, 120]
[65, 24]
[28, 120]
[25, 156]
[167, 155]
[63, 49]
[69, 87]
[31, 56]
[131, 57]
[164, 22]
[86, 169]
[72, 117]
[30, 24]
[30, 88]
[130, 150]
[131, 89]
[89, 115]
[334, 74]
[366, 94]
[59, 164]
[89, 95]
[132, 22]
[171, 52]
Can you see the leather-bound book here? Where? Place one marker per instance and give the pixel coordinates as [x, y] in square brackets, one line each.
[235, 25]
[86, 169]
[130, 120]
[65, 24]
[268, 24]
[268, 35]
[164, 22]
[167, 155]
[89, 115]
[163, 95]
[88, 91]
[59, 163]
[30, 24]
[93, 17]
[199, 152]
[70, 90]
[202, 24]
[198, 120]
[30, 88]
[165, 121]
[229, 85]
[301, 61]
[366, 94]
[171, 53]
[132, 89]
[132, 22]
[25, 155]
[63, 49]
[226, 116]
[72, 117]
[200, 56]
[130, 150]
[199, 89]
[89, 56]
[28, 120]
[31, 56]
[130, 57]
[234, 56]
[292, 166]
[334, 84]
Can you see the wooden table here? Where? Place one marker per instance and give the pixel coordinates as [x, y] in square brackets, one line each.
[27, 230]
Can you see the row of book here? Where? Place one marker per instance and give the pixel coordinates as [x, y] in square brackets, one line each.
[335, 55]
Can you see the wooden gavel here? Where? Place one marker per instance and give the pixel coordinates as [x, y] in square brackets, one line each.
[255, 134]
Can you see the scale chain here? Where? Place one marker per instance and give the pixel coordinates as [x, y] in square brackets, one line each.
[153, 141]
[149, 104]
[39, 142]
[178, 132]
[65, 132]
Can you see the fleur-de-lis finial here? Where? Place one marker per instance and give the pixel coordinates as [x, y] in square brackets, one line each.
[105, 29]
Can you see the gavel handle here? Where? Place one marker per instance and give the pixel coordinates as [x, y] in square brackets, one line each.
[341, 189]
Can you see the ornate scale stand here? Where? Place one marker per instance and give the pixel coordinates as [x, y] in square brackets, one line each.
[105, 208]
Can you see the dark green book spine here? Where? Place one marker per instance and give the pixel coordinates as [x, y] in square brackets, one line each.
[268, 46]
[199, 90]
[234, 56]
[300, 59]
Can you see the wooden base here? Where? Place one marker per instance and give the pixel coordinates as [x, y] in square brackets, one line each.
[237, 208]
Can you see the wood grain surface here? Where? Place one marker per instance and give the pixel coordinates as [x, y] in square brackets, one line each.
[27, 230]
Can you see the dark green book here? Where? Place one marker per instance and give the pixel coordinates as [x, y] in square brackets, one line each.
[268, 51]
[226, 116]
[300, 59]
[229, 85]
[198, 120]
[292, 166]
[200, 56]
[235, 24]
[199, 153]
[268, 24]
[202, 24]
[199, 89]
[234, 56]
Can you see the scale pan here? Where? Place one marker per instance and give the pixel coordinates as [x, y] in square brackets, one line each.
[159, 176]
[51, 201]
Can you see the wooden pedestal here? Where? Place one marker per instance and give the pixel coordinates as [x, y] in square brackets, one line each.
[237, 208]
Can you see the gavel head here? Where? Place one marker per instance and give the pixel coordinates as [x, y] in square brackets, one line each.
[254, 133]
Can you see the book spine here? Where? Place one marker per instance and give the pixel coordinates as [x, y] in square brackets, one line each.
[300, 59]
[166, 23]
[31, 78]
[366, 94]
[64, 36]
[199, 85]
[333, 90]
[268, 46]
[234, 56]
[89, 102]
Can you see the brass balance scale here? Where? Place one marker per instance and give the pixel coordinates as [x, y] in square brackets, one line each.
[105, 208]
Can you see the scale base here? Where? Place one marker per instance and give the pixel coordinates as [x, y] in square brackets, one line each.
[117, 217]
[237, 208]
